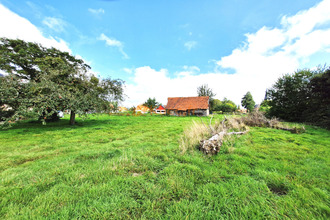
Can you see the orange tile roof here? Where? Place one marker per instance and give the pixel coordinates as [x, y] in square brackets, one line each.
[122, 109]
[142, 108]
[185, 103]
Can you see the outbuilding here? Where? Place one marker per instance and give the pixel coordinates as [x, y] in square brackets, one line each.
[183, 106]
[160, 110]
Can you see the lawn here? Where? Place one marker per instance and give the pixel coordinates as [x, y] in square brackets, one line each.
[131, 167]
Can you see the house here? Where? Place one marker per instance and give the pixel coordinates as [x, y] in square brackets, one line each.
[141, 108]
[122, 109]
[183, 106]
[160, 110]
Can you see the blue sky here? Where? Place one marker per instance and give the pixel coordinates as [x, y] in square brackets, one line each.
[157, 46]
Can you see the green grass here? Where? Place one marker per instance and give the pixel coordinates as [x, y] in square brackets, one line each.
[131, 167]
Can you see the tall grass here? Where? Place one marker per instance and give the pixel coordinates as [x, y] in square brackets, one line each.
[192, 136]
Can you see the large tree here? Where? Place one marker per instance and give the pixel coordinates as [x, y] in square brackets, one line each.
[290, 95]
[248, 102]
[44, 80]
[303, 96]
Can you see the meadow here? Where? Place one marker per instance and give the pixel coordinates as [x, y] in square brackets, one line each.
[124, 167]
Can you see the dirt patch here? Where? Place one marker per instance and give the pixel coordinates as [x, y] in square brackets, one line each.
[280, 190]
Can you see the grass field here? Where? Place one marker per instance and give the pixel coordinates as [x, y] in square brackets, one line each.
[131, 167]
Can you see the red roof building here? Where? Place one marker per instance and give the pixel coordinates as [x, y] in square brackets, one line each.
[182, 106]
[160, 110]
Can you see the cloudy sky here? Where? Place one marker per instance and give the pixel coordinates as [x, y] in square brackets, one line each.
[169, 48]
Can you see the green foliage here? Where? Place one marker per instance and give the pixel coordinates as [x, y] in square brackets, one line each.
[302, 97]
[118, 167]
[318, 111]
[225, 105]
[151, 103]
[204, 90]
[44, 80]
[248, 102]
[265, 106]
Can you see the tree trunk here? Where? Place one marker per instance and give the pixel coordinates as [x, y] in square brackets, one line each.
[213, 144]
[72, 117]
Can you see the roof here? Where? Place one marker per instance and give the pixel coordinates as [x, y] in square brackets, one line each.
[142, 108]
[122, 109]
[185, 103]
[160, 108]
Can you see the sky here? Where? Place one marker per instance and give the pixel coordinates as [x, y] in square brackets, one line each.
[169, 48]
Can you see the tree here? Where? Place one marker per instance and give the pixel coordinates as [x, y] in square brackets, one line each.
[204, 90]
[290, 95]
[318, 111]
[303, 96]
[151, 104]
[225, 105]
[44, 80]
[248, 102]
[216, 105]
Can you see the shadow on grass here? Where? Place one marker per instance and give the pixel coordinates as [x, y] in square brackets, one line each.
[97, 122]
[35, 126]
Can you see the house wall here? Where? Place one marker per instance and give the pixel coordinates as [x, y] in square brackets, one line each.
[160, 112]
[198, 112]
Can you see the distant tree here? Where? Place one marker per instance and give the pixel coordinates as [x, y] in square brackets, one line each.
[215, 105]
[248, 102]
[204, 90]
[43, 80]
[225, 105]
[151, 104]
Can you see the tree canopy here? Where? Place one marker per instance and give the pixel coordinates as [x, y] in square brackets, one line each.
[151, 103]
[204, 90]
[225, 105]
[303, 96]
[44, 80]
[248, 102]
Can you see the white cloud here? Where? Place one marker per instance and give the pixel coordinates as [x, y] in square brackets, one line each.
[128, 70]
[55, 24]
[188, 71]
[96, 11]
[266, 55]
[149, 82]
[307, 20]
[114, 43]
[15, 26]
[190, 45]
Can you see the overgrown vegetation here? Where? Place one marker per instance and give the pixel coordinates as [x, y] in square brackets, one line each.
[122, 167]
[302, 97]
[202, 134]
